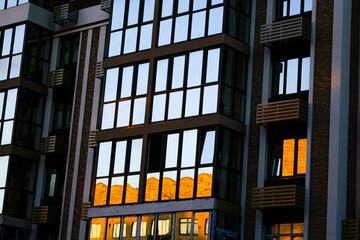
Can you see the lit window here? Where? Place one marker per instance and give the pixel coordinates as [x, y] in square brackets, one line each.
[288, 158]
[291, 231]
[97, 230]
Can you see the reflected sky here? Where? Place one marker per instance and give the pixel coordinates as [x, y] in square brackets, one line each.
[104, 159]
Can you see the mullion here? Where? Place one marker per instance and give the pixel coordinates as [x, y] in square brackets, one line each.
[111, 170]
[178, 170]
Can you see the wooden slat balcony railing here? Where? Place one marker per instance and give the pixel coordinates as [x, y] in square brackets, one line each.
[99, 73]
[92, 139]
[44, 215]
[52, 144]
[288, 110]
[60, 77]
[351, 229]
[84, 210]
[106, 5]
[278, 196]
[293, 28]
[63, 15]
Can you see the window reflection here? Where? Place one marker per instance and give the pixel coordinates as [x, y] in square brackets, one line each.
[152, 187]
[101, 188]
[186, 188]
[129, 228]
[104, 159]
[165, 32]
[181, 28]
[204, 182]
[120, 155]
[164, 225]
[97, 231]
[113, 229]
[128, 111]
[201, 228]
[180, 101]
[147, 228]
[132, 189]
[168, 188]
[189, 143]
[172, 148]
[117, 189]
[138, 18]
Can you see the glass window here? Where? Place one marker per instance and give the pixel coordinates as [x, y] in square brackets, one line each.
[192, 102]
[189, 143]
[116, 191]
[145, 37]
[287, 8]
[287, 79]
[158, 112]
[152, 187]
[178, 72]
[181, 28]
[285, 231]
[113, 230]
[4, 162]
[168, 189]
[186, 188]
[132, 85]
[97, 230]
[167, 7]
[126, 159]
[195, 68]
[164, 225]
[120, 155]
[165, 32]
[288, 158]
[213, 65]
[132, 189]
[172, 148]
[216, 20]
[175, 105]
[104, 159]
[137, 27]
[210, 99]
[130, 40]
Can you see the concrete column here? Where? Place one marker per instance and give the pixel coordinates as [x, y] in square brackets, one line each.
[339, 117]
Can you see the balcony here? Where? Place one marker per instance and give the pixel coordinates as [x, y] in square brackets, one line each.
[60, 78]
[52, 144]
[84, 210]
[99, 73]
[351, 229]
[105, 5]
[44, 215]
[287, 110]
[63, 15]
[278, 197]
[286, 30]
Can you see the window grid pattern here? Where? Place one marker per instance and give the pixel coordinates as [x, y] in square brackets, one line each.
[144, 226]
[131, 26]
[125, 96]
[190, 19]
[8, 102]
[4, 4]
[238, 19]
[37, 54]
[11, 48]
[291, 231]
[229, 166]
[29, 119]
[234, 82]
[186, 165]
[20, 187]
[288, 158]
[289, 8]
[122, 175]
[291, 76]
[186, 85]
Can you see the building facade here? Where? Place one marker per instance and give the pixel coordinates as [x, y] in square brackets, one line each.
[179, 119]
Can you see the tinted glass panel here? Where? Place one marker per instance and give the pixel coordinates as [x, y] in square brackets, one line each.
[172, 148]
[120, 155]
[189, 143]
[135, 156]
[104, 159]
[118, 14]
[198, 25]
[175, 105]
[123, 117]
[216, 20]
[181, 28]
[111, 84]
[130, 40]
[115, 43]
[195, 68]
[165, 32]
[158, 112]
